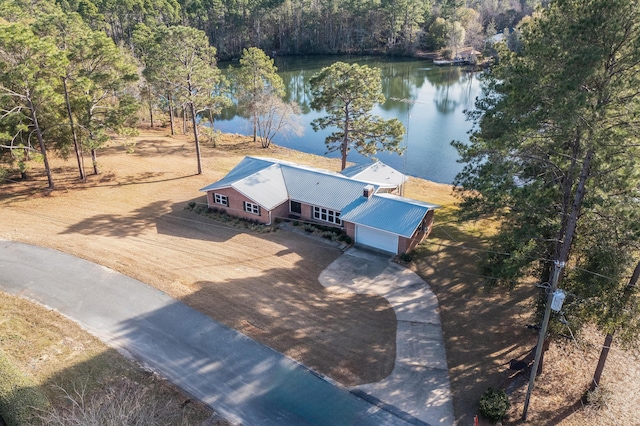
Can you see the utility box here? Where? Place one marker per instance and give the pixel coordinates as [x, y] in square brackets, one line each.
[558, 300]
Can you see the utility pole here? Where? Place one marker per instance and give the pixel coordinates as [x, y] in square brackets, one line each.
[558, 266]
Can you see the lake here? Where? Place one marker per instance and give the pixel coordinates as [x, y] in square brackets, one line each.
[429, 100]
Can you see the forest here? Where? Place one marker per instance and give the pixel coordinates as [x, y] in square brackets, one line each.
[76, 71]
[552, 159]
[312, 26]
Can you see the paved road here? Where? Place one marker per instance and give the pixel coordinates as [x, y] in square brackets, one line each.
[241, 379]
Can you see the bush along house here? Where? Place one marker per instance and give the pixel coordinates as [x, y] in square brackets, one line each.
[364, 200]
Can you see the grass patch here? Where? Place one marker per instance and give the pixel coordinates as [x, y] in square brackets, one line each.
[45, 358]
[20, 397]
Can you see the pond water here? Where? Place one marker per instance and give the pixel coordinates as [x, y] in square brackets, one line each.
[429, 100]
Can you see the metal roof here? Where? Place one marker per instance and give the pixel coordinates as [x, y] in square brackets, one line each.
[266, 187]
[389, 213]
[332, 191]
[245, 168]
[377, 173]
[270, 182]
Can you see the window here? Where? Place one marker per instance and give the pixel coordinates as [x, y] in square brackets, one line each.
[295, 207]
[220, 199]
[251, 208]
[326, 215]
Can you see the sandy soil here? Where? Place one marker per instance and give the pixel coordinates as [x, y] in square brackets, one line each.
[131, 218]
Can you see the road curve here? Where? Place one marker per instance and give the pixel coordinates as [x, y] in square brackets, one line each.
[244, 381]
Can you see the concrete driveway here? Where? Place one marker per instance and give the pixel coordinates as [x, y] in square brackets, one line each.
[419, 383]
[244, 381]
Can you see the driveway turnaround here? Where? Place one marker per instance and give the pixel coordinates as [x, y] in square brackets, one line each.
[419, 382]
[244, 381]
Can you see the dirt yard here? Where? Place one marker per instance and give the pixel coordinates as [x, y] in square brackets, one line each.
[132, 218]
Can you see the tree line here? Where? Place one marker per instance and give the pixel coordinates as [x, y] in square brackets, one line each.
[68, 87]
[312, 26]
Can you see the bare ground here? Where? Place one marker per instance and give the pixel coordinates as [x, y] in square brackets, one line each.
[132, 218]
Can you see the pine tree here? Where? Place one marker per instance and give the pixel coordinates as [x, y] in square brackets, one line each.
[30, 70]
[348, 93]
[555, 154]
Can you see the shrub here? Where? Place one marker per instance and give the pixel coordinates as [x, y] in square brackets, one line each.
[597, 398]
[494, 404]
[125, 402]
[328, 235]
[192, 204]
[348, 240]
[405, 257]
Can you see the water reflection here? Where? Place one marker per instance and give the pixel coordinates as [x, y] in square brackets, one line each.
[429, 100]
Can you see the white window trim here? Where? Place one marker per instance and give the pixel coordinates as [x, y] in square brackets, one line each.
[330, 216]
[252, 208]
[220, 199]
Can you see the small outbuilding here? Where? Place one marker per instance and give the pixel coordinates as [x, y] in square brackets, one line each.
[364, 200]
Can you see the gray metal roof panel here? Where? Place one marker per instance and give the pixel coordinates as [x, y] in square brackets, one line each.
[377, 173]
[330, 190]
[394, 214]
[245, 168]
[266, 187]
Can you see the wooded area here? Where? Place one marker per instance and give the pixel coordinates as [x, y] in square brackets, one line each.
[312, 26]
[92, 65]
[553, 158]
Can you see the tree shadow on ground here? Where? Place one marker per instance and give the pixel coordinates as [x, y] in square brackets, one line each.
[153, 147]
[235, 374]
[350, 338]
[163, 216]
[138, 179]
[121, 225]
[483, 328]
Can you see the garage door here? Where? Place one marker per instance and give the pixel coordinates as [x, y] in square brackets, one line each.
[377, 239]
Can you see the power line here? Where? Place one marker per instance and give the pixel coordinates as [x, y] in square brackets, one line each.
[540, 259]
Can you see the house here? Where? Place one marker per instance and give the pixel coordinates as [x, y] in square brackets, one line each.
[364, 200]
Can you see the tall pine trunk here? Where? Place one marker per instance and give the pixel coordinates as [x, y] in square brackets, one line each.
[94, 161]
[195, 135]
[151, 114]
[344, 147]
[184, 120]
[171, 116]
[566, 240]
[76, 145]
[604, 353]
[43, 149]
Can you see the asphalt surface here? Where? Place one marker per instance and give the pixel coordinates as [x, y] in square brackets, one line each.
[244, 381]
[419, 382]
